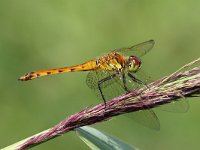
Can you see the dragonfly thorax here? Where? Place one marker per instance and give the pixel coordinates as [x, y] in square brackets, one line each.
[134, 63]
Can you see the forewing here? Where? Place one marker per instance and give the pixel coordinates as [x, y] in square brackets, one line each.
[137, 50]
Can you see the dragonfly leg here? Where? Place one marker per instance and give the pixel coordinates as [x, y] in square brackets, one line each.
[137, 80]
[124, 82]
[100, 82]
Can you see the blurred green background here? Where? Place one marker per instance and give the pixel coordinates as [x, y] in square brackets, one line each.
[43, 34]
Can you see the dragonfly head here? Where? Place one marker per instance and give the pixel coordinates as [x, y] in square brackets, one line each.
[134, 63]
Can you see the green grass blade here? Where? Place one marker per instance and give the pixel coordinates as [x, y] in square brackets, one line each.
[97, 140]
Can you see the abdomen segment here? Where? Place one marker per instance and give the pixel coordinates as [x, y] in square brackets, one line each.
[90, 65]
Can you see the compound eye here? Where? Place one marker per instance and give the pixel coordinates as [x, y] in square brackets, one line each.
[134, 63]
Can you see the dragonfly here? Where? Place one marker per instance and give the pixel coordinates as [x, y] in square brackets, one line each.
[118, 66]
[111, 75]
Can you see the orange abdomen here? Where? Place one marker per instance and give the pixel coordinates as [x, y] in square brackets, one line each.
[89, 65]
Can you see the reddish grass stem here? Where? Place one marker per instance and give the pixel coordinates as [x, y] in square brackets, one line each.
[178, 85]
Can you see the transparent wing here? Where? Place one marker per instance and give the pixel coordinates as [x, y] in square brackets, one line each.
[137, 50]
[177, 106]
[94, 77]
[141, 75]
[110, 88]
[180, 105]
[147, 118]
[113, 88]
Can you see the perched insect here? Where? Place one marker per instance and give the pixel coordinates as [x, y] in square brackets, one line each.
[118, 65]
[112, 74]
